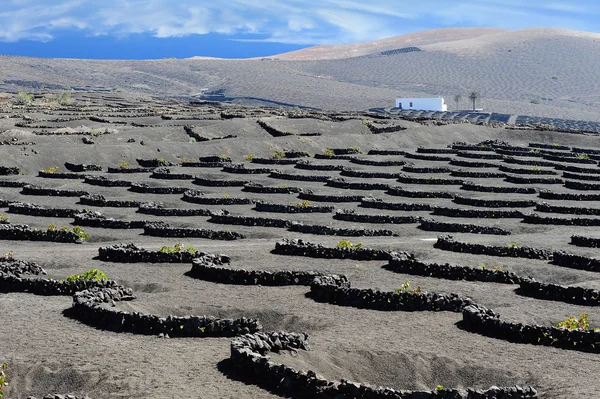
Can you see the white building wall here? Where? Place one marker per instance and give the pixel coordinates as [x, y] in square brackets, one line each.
[425, 104]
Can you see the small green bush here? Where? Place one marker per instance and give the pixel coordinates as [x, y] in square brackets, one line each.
[24, 98]
[79, 231]
[344, 243]
[304, 204]
[406, 288]
[90, 275]
[573, 323]
[582, 155]
[513, 245]
[248, 157]
[123, 165]
[278, 154]
[52, 169]
[179, 247]
[3, 382]
[535, 101]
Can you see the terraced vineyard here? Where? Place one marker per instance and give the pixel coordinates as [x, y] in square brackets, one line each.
[299, 253]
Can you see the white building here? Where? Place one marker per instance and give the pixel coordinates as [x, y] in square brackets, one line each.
[423, 104]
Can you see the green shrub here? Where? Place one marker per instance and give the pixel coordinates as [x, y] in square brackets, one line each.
[573, 323]
[3, 382]
[248, 157]
[344, 243]
[64, 97]
[513, 245]
[52, 169]
[90, 275]
[582, 155]
[79, 231]
[278, 154]
[24, 98]
[162, 161]
[535, 101]
[123, 165]
[304, 204]
[406, 288]
[179, 247]
[3, 218]
[329, 152]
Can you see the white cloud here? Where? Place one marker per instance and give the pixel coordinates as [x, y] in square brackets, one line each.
[289, 21]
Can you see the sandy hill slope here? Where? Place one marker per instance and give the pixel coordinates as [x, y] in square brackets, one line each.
[428, 37]
[539, 72]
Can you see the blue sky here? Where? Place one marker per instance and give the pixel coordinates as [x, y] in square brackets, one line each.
[153, 29]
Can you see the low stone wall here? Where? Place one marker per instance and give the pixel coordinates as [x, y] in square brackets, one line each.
[30, 189]
[299, 247]
[9, 170]
[537, 219]
[290, 176]
[336, 231]
[372, 162]
[580, 150]
[146, 189]
[493, 203]
[546, 194]
[424, 150]
[99, 200]
[405, 263]
[479, 155]
[479, 319]
[447, 243]
[523, 171]
[158, 209]
[310, 196]
[549, 146]
[131, 253]
[240, 168]
[385, 129]
[424, 157]
[278, 133]
[249, 355]
[259, 188]
[209, 269]
[273, 161]
[9, 183]
[81, 167]
[582, 241]
[386, 152]
[573, 210]
[400, 192]
[129, 170]
[306, 165]
[200, 164]
[47, 287]
[554, 292]
[476, 213]
[377, 203]
[88, 308]
[349, 215]
[369, 175]
[323, 289]
[430, 181]
[577, 169]
[568, 159]
[106, 182]
[154, 163]
[26, 233]
[24, 208]
[587, 177]
[417, 169]
[340, 182]
[477, 174]
[573, 261]
[493, 189]
[285, 208]
[576, 185]
[196, 197]
[472, 164]
[167, 174]
[164, 230]
[432, 225]
[249, 220]
[340, 157]
[531, 162]
[18, 268]
[533, 180]
[201, 181]
[95, 219]
[65, 175]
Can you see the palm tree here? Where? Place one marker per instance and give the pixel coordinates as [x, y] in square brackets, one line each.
[474, 96]
[457, 99]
